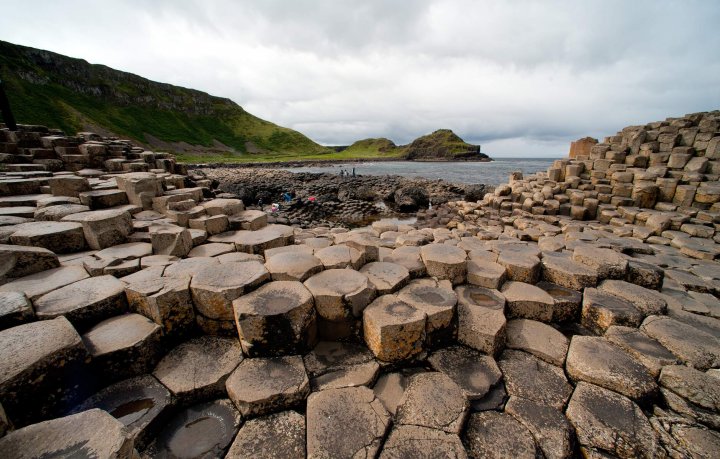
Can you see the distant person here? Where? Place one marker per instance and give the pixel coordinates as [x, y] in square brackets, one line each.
[260, 203]
[287, 197]
[353, 172]
[341, 172]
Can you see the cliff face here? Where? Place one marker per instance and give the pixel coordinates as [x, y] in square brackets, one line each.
[442, 144]
[59, 91]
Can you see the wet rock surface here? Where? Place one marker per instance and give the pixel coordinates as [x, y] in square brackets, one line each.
[573, 312]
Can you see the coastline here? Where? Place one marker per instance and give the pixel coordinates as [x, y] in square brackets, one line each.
[323, 162]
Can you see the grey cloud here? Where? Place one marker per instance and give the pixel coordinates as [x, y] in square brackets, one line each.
[520, 76]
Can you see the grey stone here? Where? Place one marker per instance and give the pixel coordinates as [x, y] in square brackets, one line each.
[553, 433]
[472, 371]
[37, 363]
[393, 330]
[601, 310]
[197, 369]
[529, 377]
[644, 349]
[214, 287]
[93, 433]
[165, 300]
[276, 319]
[537, 338]
[124, 346]
[140, 404]
[691, 345]
[276, 436]
[608, 422]
[386, 277]
[15, 309]
[407, 441]
[20, 261]
[103, 228]
[59, 237]
[598, 361]
[496, 435]
[433, 400]
[567, 273]
[84, 302]
[38, 284]
[445, 262]
[200, 431]
[345, 423]
[438, 301]
[528, 301]
[264, 385]
[481, 319]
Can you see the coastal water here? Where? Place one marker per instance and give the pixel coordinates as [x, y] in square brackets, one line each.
[490, 173]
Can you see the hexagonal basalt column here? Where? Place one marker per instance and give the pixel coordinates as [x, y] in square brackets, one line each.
[481, 320]
[340, 297]
[265, 385]
[340, 257]
[92, 433]
[433, 400]
[438, 301]
[293, 266]
[197, 369]
[60, 237]
[386, 277]
[276, 319]
[124, 346]
[139, 403]
[394, 330]
[266, 238]
[39, 366]
[216, 286]
[103, 228]
[165, 300]
[84, 302]
[445, 262]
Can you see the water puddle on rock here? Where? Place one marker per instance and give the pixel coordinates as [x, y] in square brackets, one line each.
[129, 412]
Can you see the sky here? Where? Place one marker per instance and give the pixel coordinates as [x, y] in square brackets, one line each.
[522, 78]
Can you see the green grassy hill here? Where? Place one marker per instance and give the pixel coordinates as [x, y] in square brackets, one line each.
[71, 94]
[442, 144]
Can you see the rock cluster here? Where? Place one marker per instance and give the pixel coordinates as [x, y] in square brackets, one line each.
[338, 201]
[174, 322]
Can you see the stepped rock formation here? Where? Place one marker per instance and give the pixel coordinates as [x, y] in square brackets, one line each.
[146, 313]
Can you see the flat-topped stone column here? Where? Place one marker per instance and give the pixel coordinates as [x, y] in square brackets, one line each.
[276, 319]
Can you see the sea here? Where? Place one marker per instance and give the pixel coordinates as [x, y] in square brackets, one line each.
[494, 172]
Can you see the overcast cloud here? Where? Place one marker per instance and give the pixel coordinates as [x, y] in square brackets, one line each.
[522, 78]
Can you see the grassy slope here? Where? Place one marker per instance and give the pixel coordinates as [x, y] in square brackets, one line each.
[56, 94]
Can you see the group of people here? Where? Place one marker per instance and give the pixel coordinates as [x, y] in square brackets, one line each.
[288, 198]
[345, 173]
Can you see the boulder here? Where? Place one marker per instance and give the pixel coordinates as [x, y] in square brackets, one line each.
[20, 261]
[292, 266]
[36, 285]
[170, 240]
[437, 301]
[433, 400]
[386, 277]
[416, 441]
[528, 301]
[165, 300]
[538, 339]
[410, 199]
[140, 187]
